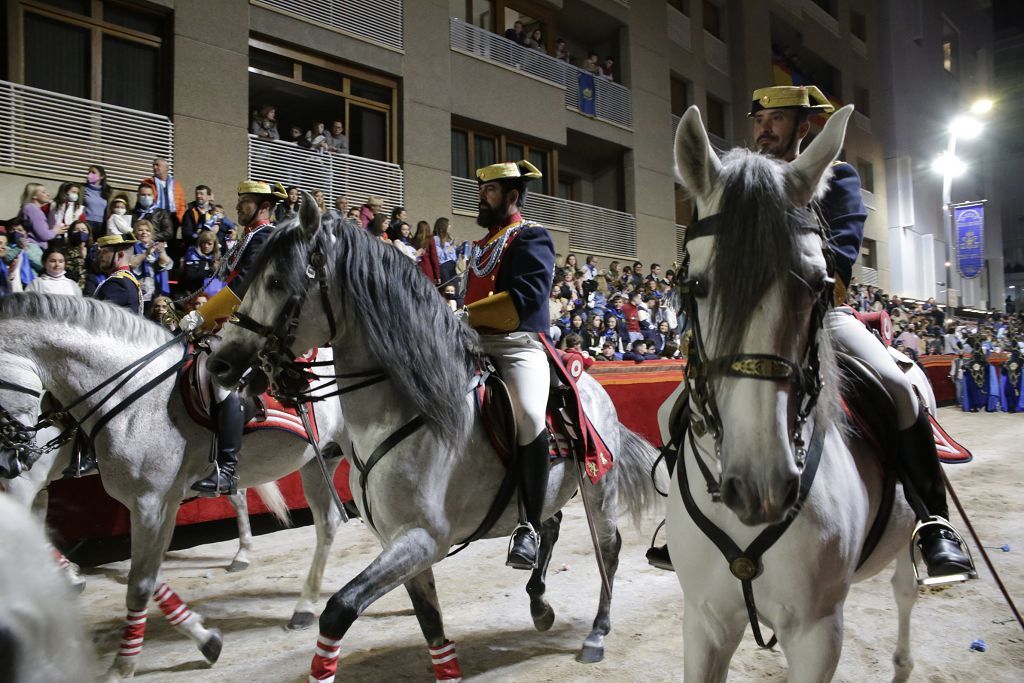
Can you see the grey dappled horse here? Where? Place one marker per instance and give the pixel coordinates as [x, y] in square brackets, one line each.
[761, 276]
[151, 452]
[434, 487]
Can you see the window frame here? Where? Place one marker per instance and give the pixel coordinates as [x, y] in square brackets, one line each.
[98, 28]
[502, 140]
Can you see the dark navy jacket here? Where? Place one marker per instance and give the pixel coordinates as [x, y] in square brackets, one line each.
[120, 290]
[843, 210]
[527, 273]
[240, 277]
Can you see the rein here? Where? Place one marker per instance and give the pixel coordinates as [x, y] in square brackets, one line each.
[700, 413]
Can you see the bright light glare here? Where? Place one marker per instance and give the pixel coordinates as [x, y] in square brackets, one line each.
[982, 106]
[966, 127]
[948, 164]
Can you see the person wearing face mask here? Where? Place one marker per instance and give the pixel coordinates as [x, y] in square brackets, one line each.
[146, 209]
[119, 222]
[66, 208]
[9, 280]
[76, 252]
[54, 279]
[96, 195]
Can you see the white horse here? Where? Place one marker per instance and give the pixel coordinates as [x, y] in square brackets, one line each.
[42, 639]
[152, 451]
[431, 486]
[757, 276]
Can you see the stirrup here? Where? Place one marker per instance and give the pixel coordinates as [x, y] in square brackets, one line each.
[217, 491]
[914, 557]
[536, 538]
[654, 552]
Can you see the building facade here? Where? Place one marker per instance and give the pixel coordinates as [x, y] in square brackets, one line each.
[429, 90]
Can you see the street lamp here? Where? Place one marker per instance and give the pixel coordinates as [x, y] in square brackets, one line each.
[949, 166]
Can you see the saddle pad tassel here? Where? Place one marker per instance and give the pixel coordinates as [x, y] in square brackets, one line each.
[325, 660]
[446, 663]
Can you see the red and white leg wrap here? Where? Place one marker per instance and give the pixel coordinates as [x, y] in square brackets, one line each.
[134, 633]
[446, 663]
[176, 611]
[325, 660]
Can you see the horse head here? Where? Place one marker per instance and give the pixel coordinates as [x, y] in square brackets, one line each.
[755, 281]
[273, 304]
[21, 403]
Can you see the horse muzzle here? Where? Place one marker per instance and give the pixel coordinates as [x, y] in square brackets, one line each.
[756, 504]
[10, 466]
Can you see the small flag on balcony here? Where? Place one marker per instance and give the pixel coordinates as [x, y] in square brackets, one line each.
[587, 91]
[970, 244]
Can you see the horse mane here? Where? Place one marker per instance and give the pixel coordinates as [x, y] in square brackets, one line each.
[426, 351]
[755, 249]
[88, 314]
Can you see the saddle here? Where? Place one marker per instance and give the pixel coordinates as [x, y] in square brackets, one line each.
[572, 433]
[261, 412]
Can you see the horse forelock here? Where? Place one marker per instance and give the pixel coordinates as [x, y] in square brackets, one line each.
[90, 315]
[406, 325]
[755, 245]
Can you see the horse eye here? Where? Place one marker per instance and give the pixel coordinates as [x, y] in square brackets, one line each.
[275, 283]
[695, 286]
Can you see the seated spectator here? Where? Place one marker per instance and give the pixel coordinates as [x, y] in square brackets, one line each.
[574, 351]
[79, 240]
[517, 34]
[288, 210]
[264, 123]
[150, 263]
[606, 69]
[97, 195]
[661, 337]
[670, 351]
[335, 138]
[590, 268]
[593, 335]
[199, 267]
[35, 216]
[615, 335]
[298, 137]
[230, 235]
[370, 209]
[160, 310]
[428, 259]
[53, 280]
[9, 280]
[67, 208]
[119, 221]
[376, 227]
[19, 243]
[608, 352]
[536, 40]
[160, 220]
[451, 297]
[317, 137]
[576, 326]
[638, 352]
[562, 50]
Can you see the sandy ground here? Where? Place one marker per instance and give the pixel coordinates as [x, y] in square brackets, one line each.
[487, 612]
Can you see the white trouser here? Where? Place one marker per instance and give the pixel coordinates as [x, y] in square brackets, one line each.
[855, 339]
[523, 363]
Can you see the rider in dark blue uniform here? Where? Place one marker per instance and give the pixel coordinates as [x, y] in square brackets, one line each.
[120, 287]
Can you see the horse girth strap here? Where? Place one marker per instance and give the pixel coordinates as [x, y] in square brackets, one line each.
[383, 449]
[745, 564]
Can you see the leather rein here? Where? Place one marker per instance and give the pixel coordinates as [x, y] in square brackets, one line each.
[700, 415]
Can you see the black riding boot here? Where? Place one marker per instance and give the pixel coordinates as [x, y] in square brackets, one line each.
[533, 487]
[83, 463]
[230, 421]
[924, 486]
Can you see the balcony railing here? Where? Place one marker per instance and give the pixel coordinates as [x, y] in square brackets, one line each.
[379, 21]
[59, 136]
[334, 174]
[680, 243]
[612, 102]
[592, 229]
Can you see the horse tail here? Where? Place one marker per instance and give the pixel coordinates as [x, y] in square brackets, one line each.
[635, 463]
[270, 494]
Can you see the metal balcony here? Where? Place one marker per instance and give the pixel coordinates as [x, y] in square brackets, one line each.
[59, 136]
[378, 21]
[592, 229]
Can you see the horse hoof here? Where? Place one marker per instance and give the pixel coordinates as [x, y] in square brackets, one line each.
[238, 566]
[590, 654]
[543, 616]
[213, 645]
[77, 586]
[301, 621]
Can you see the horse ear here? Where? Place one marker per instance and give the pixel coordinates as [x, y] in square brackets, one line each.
[696, 162]
[309, 215]
[811, 165]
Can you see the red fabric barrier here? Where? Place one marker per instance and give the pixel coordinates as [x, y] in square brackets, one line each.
[937, 369]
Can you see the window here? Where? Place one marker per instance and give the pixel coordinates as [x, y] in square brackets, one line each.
[862, 100]
[716, 116]
[680, 94]
[950, 48]
[475, 149]
[566, 189]
[94, 49]
[306, 88]
[869, 253]
[859, 26]
[866, 171]
[680, 5]
[827, 5]
[713, 19]
[477, 12]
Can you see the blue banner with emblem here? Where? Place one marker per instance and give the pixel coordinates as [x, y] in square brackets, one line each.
[970, 238]
[587, 91]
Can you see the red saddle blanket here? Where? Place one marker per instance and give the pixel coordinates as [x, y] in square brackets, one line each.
[949, 450]
[269, 413]
[573, 434]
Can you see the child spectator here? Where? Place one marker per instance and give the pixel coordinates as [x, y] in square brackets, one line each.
[638, 352]
[119, 221]
[199, 267]
[67, 208]
[608, 352]
[53, 279]
[297, 137]
[317, 137]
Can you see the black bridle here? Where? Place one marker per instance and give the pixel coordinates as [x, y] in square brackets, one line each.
[700, 415]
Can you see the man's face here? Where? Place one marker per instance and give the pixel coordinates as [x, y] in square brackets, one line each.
[655, 270]
[160, 168]
[247, 208]
[337, 128]
[202, 197]
[494, 204]
[3, 246]
[777, 133]
[518, 26]
[145, 191]
[342, 204]
[107, 259]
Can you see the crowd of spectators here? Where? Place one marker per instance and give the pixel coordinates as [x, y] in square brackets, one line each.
[534, 40]
[180, 247]
[320, 137]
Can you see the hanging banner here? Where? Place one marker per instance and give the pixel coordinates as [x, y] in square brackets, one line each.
[969, 219]
[586, 88]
